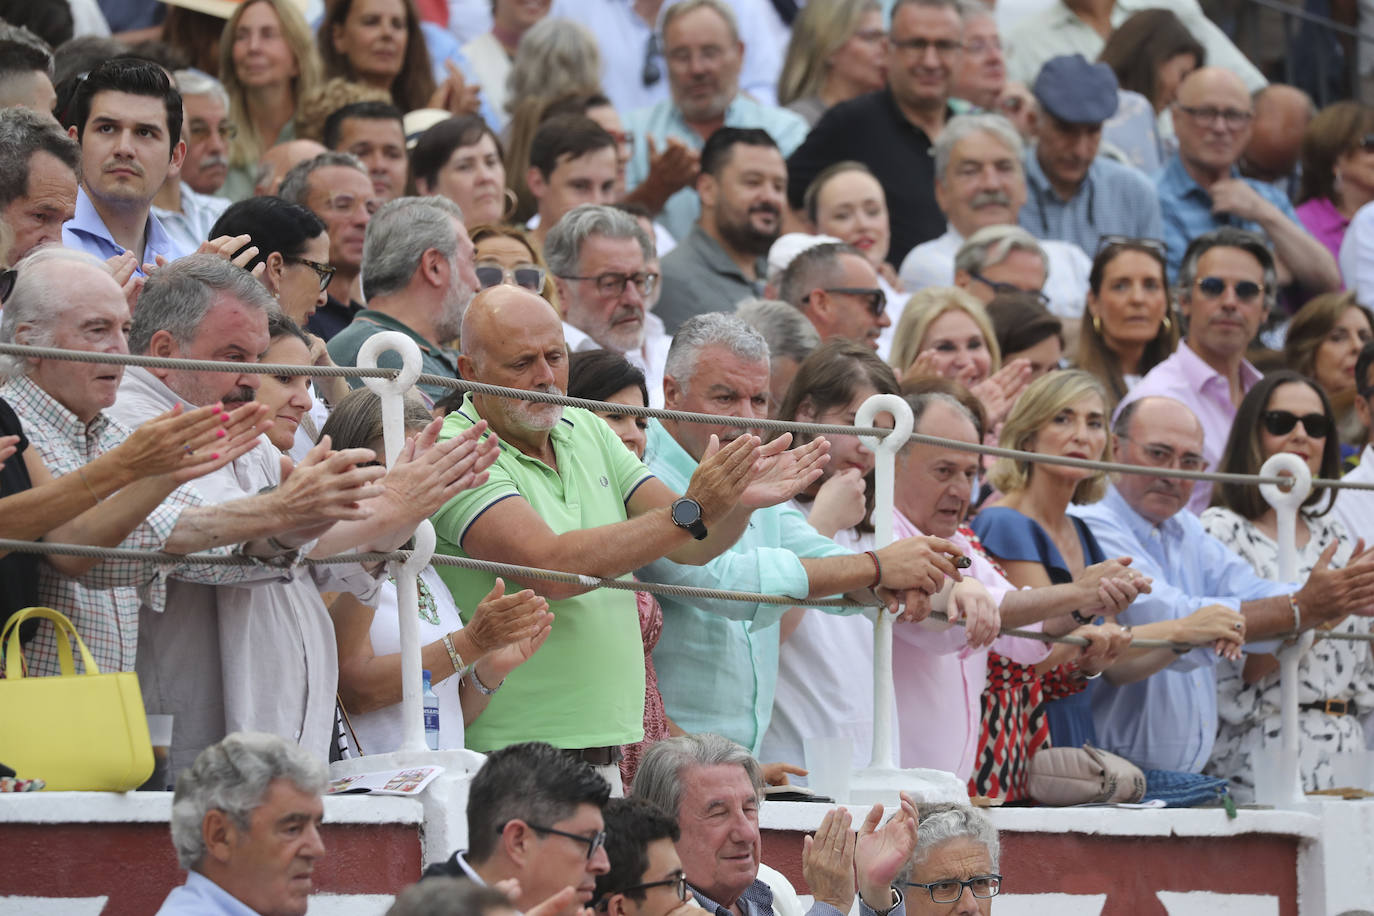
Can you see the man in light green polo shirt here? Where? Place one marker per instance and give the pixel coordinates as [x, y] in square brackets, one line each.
[418, 277]
[566, 494]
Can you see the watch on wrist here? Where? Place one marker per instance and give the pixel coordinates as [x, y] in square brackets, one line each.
[686, 514]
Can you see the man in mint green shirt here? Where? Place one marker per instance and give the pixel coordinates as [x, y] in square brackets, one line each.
[717, 661]
[565, 494]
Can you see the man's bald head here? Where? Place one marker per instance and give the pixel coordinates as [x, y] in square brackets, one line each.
[279, 160]
[1212, 118]
[1207, 81]
[1282, 114]
[1157, 432]
[495, 314]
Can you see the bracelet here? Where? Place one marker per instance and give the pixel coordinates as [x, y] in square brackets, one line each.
[453, 656]
[1297, 616]
[282, 548]
[877, 568]
[483, 689]
[81, 472]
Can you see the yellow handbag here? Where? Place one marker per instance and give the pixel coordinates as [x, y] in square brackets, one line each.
[76, 732]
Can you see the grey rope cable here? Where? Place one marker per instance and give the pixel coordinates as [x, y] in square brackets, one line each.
[542, 397]
[532, 572]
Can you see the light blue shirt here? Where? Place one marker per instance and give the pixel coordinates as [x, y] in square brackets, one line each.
[731, 644]
[86, 231]
[444, 45]
[1168, 721]
[1114, 199]
[200, 896]
[191, 225]
[787, 128]
[1187, 209]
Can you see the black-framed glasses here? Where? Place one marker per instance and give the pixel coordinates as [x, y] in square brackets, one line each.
[613, 284]
[651, 72]
[1161, 456]
[997, 286]
[877, 299]
[945, 47]
[525, 276]
[1233, 118]
[594, 842]
[951, 889]
[1281, 423]
[678, 882]
[1126, 241]
[324, 271]
[1215, 287]
[8, 277]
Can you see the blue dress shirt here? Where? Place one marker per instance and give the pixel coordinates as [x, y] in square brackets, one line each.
[787, 128]
[1114, 199]
[1187, 209]
[1168, 721]
[733, 644]
[200, 896]
[86, 231]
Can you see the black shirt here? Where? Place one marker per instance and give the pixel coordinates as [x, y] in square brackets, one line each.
[331, 318]
[18, 571]
[871, 129]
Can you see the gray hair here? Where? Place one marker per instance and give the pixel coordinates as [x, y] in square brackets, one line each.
[554, 56]
[920, 403]
[787, 331]
[198, 82]
[992, 245]
[711, 329]
[234, 776]
[23, 133]
[941, 823]
[449, 897]
[970, 10]
[399, 234]
[675, 11]
[177, 298]
[816, 266]
[35, 300]
[1228, 237]
[295, 184]
[563, 245]
[964, 126]
[659, 777]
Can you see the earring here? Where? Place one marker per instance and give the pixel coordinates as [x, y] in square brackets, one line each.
[512, 203]
[1167, 323]
[1097, 324]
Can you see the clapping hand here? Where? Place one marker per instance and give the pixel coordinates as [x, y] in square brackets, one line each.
[880, 853]
[828, 860]
[781, 473]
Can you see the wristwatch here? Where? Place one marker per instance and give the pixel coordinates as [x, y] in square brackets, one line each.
[686, 513]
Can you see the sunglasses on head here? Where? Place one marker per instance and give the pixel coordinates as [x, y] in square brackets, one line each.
[1214, 287]
[526, 276]
[1281, 423]
[1126, 241]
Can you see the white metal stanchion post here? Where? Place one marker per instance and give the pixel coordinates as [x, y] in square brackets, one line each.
[1286, 505]
[392, 395]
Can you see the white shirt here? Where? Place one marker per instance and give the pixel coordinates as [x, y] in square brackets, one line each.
[1066, 284]
[649, 358]
[492, 66]
[1355, 508]
[1357, 256]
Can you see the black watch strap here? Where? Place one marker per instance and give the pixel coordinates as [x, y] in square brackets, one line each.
[686, 514]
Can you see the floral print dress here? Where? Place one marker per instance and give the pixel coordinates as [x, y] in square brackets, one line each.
[1333, 669]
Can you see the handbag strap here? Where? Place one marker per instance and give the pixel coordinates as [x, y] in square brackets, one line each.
[14, 656]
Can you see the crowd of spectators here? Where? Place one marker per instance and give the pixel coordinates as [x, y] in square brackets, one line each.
[1100, 233]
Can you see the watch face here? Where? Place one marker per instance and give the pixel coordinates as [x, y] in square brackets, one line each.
[686, 511]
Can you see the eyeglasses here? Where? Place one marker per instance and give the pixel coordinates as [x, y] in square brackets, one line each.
[199, 131]
[678, 882]
[651, 72]
[1126, 241]
[1234, 118]
[951, 889]
[1214, 287]
[877, 299]
[1281, 423]
[526, 276]
[945, 47]
[324, 271]
[1000, 287]
[613, 284]
[1161, 456]
[7, 281]
[594, 842]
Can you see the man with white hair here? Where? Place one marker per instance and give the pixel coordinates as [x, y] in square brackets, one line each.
[418, 278]
[599, 257]
[957, 861]
[246, 827]
[185, 203]
[790, 336]
[980, 182]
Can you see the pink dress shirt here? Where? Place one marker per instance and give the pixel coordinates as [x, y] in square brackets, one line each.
[939, 680]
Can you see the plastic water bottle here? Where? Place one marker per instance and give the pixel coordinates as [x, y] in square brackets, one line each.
[431, 701]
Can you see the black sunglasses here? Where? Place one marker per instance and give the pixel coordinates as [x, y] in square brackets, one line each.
[324, 271]
[1281, 423]
[7, 280]
[999, 287]
[1214, 287]
[877, 299]
[652, 72]
[526, 276]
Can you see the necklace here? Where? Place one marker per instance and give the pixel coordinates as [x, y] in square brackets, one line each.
[427, 605]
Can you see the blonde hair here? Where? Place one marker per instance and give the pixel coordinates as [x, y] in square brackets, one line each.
[1037, 406]
[821, 29]
[248, 147]
[313, 108]
[922, 309]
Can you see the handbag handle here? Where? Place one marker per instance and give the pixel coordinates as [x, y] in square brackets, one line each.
[14, 656]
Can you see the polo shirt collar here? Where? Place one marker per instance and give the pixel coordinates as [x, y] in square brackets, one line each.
[393, 324]
[901, 118]
[468, 411]
[717, 259]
